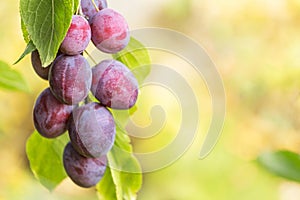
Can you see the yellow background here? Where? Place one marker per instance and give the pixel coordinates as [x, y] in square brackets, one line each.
[256, 48]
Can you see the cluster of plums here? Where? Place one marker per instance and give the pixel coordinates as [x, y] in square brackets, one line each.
[65, 105]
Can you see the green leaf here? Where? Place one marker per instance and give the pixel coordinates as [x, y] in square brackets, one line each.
[285, 164]
[45, 158]
[106, 187]
[127, 183]
[29, 48]
[47, 22]
[11, 79]
[25, 32]
[124, 173]
[122, 116]
[136, 57]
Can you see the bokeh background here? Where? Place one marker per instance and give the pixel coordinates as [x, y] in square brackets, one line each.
[256, 48]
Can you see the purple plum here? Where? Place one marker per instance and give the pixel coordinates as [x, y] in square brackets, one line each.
[50, 116]
[41, 71]
[110, 32]
[70, 79]
[92, 130]
[85, 172]
[114, 85]
[78, 36]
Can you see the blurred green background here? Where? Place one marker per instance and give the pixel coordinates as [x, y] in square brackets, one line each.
[256, 48]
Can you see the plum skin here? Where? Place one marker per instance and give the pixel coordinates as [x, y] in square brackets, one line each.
[77, 37]
[110, 32]
[92, 130]
[70, 79]
[85, 172]
[114, 85]
[41, 71]
[50, 116]
[88, 8]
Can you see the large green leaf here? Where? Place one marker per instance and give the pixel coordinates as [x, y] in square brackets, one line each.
[136, 57]
[11, 79]
[45, 158]
[282, 163]
[124, 171]
[26, 36]
[47, 22]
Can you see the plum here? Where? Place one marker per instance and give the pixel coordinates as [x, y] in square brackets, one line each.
[110, 32]
[85, 172]
[78, 36]
[88, 8]
[41, 71]
[114, 85]
[50, 116]
[70, 78]
[92, 130]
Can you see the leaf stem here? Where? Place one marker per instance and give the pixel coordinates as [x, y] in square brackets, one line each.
[89, 55]
[96, 7]
[77, 11]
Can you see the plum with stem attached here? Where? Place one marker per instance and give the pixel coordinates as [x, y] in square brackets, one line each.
[89, 9]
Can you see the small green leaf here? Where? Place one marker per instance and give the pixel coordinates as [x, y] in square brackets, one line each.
[136, 57]
[282, 163]
[124, 173]
[29, 48]
[47, 22]
[45, 158]
[11, 79]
